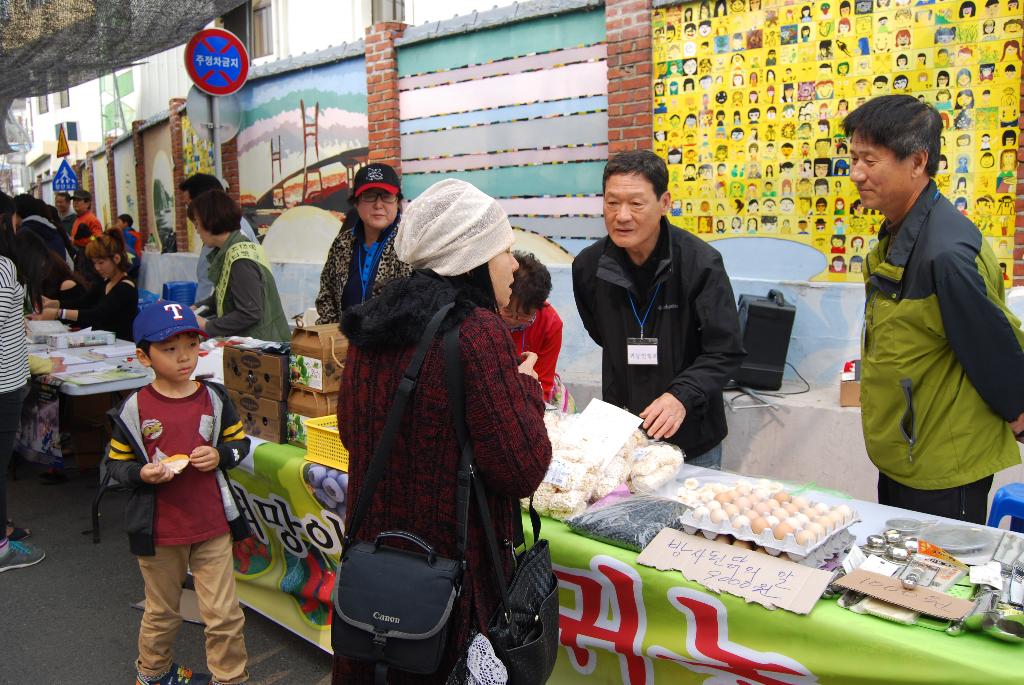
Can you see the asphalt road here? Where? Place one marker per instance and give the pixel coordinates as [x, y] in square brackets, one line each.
[69, 619]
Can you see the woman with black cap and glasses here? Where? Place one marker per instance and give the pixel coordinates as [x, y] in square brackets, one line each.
[363, 257]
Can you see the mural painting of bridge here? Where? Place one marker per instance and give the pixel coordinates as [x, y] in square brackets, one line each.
[303, 137]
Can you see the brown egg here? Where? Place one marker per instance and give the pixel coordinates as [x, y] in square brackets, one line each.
[816, 528]
[806, 537]
[791, 508]
[730, 509]
[780, 513]
[724, 497]
[763, 508]
[782, 530]
[758, 525]
[800, 501]
[742, 502]
[781, 496]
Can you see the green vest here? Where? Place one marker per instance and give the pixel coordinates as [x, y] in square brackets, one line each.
[273, 325]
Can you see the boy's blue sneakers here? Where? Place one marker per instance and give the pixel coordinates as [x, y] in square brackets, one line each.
[177, 675]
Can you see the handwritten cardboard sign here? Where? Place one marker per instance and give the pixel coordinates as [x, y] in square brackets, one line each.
[919, 599]
[756, 577]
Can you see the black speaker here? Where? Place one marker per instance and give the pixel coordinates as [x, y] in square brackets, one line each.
[766, 324]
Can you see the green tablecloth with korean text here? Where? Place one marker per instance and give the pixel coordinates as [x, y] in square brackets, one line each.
[620, 622]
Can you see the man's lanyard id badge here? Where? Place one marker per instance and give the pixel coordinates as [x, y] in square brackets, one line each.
[642, 351]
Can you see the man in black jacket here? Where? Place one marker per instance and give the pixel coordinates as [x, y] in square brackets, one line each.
[658, 301]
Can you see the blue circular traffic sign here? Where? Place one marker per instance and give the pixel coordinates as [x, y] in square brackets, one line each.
[216, 61]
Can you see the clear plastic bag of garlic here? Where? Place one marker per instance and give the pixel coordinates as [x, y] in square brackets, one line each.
[574, 478]
[654, 464]
[568, 484]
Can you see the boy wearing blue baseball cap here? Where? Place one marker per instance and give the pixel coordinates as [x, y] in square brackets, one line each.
[172, 443]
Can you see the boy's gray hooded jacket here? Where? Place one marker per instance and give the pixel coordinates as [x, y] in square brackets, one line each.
[126, 457]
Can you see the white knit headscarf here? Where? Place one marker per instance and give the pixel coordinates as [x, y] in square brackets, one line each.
[452, 228]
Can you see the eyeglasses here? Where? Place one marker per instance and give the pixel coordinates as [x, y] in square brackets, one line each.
[519, 316]
[370, 198]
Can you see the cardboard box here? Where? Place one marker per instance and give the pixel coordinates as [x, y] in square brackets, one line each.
[318, 357]
[261, 417]
[849, 384]
[256, 373]
[306, 404]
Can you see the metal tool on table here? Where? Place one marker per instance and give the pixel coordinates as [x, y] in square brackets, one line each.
[984, 603]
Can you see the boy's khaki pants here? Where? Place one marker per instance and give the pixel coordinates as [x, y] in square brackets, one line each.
[213, 572]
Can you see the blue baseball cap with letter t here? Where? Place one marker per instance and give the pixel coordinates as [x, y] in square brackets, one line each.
[162, 320]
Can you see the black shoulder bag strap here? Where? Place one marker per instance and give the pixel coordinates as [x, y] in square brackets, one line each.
[393, 422]
[456, 396]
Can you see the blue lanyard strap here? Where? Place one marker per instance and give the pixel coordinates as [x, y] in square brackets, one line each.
[636, 315]
[368, 267]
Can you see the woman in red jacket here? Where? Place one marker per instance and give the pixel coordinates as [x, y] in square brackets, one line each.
[458, 240]
[534, 324]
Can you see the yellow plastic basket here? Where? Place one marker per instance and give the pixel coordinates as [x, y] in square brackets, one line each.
[323, 444]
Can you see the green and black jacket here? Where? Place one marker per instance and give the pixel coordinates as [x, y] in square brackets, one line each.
[942, 356]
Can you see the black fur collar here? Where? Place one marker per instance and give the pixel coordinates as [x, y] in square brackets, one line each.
[398, 316]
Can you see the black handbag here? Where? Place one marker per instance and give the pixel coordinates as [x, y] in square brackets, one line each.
[391, 606]
[524, 630]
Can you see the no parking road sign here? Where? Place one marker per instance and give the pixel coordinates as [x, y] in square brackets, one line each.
[216, 61]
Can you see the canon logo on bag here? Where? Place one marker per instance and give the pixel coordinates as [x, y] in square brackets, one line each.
[387, 619]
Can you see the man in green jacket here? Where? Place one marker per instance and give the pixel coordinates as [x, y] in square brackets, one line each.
[942, 396]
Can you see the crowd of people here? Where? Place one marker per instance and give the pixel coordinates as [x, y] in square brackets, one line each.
[941, 357]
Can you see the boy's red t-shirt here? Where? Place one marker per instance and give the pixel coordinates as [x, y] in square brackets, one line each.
[189, 508]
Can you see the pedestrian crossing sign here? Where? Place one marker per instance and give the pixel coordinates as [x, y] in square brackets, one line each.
[65, 180]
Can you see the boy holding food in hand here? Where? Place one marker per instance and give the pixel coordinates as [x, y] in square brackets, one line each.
[172, 443]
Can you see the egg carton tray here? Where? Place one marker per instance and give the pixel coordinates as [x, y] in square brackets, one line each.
[833, 543]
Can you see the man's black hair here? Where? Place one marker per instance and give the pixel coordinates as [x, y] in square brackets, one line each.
[127, 218]
[641, 163]
[900, 123]
[531, 284]
[197, 184]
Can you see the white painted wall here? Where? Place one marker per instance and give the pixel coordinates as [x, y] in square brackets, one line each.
[83, 107]
[310, 25]
[158, 79]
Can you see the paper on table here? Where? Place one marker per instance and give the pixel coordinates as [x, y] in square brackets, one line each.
[988, 574]
[769, 581]
[602, 429]
[116, 350]
[102, 376]
[84, 369]
[919, 599]
[877, 564]
[72, 358]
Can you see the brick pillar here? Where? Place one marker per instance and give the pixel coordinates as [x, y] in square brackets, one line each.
[111, 179]
[176, 107]
[1018, 237]
[229, 163]
[90, 184]
[382, 90]
[628, 35]
[141, 193]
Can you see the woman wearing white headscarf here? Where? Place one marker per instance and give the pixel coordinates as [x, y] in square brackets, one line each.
[458, 240]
